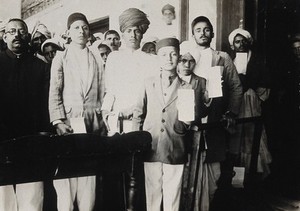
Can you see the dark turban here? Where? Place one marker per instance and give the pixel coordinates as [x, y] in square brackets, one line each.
[133, 17]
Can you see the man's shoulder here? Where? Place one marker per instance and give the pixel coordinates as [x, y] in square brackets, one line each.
[221, 53]
[34, 61]
[196, 77]
[151, 79]
[3, 55]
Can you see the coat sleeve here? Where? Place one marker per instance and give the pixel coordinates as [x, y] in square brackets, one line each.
[233, 85]
[56, 107]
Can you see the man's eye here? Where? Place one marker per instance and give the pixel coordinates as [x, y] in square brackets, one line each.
[22, 31]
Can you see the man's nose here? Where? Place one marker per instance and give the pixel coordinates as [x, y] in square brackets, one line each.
[201, 32]
[80, 29]
[132, 34]
[18, 34]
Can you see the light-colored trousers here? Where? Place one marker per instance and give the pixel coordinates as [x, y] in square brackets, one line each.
[28, 196]
[83, 188]
[163, 182]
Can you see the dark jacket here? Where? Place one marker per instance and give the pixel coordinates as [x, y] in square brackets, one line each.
[24, 83]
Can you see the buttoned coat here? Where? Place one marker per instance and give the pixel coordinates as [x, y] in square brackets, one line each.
[24, 82]
[70, 97]
[152, 114]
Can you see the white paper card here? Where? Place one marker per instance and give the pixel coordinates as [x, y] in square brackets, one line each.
[241, 61]
[127, 126]
[78, 125]
[113, 123]
[214, 82]
[238, 179]
[186, 105]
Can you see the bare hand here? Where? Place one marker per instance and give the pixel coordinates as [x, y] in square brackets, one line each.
[206, 99]
[105, 115]
[230, 124]
[63, 129]
[126, 113]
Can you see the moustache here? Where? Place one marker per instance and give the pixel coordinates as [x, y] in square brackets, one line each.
[17, 40]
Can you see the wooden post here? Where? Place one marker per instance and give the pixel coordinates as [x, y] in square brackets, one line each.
[132, 190]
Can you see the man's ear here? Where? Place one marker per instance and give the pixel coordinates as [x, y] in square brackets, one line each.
[68, 33]
[120, 43]
[212, 35]
[4, 37]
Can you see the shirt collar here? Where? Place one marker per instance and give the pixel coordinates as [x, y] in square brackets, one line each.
[186, 78]
[206, 51]
[13, 55]
[165, 75]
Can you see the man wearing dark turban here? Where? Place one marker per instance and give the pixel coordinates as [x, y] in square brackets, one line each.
[125, 71]
[134, 17]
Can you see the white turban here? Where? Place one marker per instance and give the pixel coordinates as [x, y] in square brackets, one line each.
[189, 47]
[242, 32]
[39, 27]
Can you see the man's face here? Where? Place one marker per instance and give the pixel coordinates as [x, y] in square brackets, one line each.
[296, 49]
[37, 41]
[79, 32]
[168, 58]
[240, 44]
[186, 64]
[149, 48]
[113, 41]
[132, 37]
[16, 36]
[203, 34]
[104, 51]
[168, 16]
[49, 53]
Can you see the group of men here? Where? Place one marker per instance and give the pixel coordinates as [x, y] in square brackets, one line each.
[138, 91]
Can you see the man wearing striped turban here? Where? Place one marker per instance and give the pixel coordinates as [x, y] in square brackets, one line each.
[125, 72]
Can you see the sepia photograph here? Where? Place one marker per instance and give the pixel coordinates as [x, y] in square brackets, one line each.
[143, 105]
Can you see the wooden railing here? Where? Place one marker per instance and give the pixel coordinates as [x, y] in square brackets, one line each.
[44, 157]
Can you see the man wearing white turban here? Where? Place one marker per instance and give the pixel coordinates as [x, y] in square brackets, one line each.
[239, 34]
[39, 35]
[252, 73]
